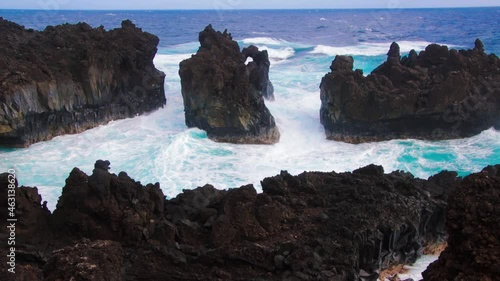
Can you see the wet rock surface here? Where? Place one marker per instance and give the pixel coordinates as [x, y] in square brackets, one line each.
[439, 93]
[69, 78]
[223, 95]
[473, 224]
[314, 226]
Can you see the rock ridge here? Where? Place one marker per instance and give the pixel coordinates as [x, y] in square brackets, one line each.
[323, 226]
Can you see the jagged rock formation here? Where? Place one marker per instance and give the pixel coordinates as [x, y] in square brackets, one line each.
[93, 207]
[437, 94]
[223, 96]
[258, 68]
[321, 226]
[473, 224]
[70, 78]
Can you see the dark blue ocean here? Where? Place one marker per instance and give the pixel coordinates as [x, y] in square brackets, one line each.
[302, 43]
[458, 27]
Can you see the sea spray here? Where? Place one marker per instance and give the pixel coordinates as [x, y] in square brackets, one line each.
[159, 148]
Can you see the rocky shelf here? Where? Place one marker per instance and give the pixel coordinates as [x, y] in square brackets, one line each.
[314, 226]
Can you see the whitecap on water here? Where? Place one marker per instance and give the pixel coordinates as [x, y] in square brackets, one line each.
[278, 55]
[259, 32]
[264, 41]
[415, 271]
[369, 49]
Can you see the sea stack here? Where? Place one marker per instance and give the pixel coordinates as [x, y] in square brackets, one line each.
[437, 94]
[223, 95]
[70, 78]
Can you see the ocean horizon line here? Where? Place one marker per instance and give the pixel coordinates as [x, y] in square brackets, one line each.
[253, 9]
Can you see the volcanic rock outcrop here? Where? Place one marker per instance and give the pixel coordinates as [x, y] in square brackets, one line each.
[70, 78]
[473, 224]
[223, 95]
[437, 94]
[87, 260]
[314, 226]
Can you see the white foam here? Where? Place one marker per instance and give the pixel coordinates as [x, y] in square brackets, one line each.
[264, 41]
[415, 271]
[49, 195]
[369, 49]
[158, 147]
[164, 59]
[278, 55]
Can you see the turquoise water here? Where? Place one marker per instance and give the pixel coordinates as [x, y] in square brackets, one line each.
[159, 148]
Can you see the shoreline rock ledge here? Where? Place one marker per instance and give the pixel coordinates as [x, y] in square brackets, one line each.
[437, 94]
[223, 95]
[72, 77]
[313, 226]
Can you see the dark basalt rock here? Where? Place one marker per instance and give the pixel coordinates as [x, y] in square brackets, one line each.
[105, 206]
[87, 260]
[259, 70]
[28, 203]
[437, 94]
[473, 224]
[70, 78]
[223, 96]
[314, 226]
